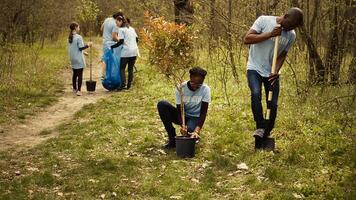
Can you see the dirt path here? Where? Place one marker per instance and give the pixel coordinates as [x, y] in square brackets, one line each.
[30, 133]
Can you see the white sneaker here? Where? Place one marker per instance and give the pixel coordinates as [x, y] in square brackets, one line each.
[79, 93]
[74, 91]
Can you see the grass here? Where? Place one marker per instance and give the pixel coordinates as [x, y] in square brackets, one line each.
[31, 79]
[112, 149]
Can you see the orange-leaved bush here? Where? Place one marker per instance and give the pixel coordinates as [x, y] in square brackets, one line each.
[170, 46]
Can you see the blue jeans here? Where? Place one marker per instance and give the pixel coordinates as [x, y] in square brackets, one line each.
[169, 115]
[255, 81]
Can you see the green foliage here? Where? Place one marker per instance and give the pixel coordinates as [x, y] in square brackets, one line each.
[87, 11]
[29, 79]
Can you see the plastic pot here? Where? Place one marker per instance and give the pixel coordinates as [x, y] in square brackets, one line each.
[185, 146]
[267, 144]
[91, 85]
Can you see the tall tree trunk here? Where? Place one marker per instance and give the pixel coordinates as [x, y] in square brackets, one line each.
[230, 43]
[311, 75]
[212, 25]
[332, 62]
[351, 43]
[313, 52]
[346, 31]
[314, 56]
[352, 69]
[183, 10]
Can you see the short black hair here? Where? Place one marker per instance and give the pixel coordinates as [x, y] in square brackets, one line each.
[117, 14]
[296, 14]
[198, 71]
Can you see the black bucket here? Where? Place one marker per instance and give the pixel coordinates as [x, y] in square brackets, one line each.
[91, 86]
[185, 146]
[267, 144]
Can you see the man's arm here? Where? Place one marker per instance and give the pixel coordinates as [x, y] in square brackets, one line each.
[280, 60]
[203, 112]
[253, 37]
[279, 63]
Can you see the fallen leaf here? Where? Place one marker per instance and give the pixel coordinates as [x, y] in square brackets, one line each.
[33, 169]
[175, 197]
[298, 196]
[242, 166]
[195, 180]
[161, 151]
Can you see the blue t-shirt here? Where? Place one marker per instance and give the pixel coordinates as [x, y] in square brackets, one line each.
[76, 56]
[193, 99]
[261, 54]
[109, 27]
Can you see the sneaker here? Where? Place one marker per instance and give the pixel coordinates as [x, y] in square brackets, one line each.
[79, 93]
[74, 91]
[169, 145]
[259, 133]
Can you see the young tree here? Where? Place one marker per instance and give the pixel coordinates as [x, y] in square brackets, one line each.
[88, 13]
[170, 48]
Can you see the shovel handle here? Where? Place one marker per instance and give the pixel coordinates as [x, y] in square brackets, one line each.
[274, 62]
[275, 55]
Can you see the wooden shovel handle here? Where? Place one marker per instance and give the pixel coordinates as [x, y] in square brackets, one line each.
[273, 71]
[275, 55]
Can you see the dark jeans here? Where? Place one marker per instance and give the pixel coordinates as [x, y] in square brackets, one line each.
[255, 81]
[77, 79]
[169, 115]
[130, 61]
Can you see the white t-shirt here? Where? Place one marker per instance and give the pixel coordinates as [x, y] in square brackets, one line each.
[110, 27]
[261, 54]
[193, 99]
[130, 47]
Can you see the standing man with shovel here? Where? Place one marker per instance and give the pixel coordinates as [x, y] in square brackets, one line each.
[262, 38]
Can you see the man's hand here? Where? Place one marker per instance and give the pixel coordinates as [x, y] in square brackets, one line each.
[183, 130]
[276, 31]
[195, 134]
[273, 77]
[90, 44]
[85, 53]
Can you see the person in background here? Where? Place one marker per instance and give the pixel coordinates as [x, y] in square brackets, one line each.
[129, 53]
[110, 34]
[76, 47]
[197, 97]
